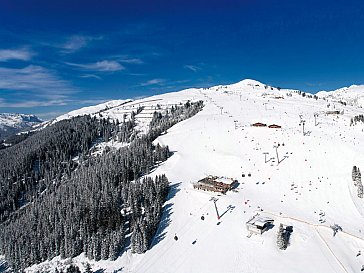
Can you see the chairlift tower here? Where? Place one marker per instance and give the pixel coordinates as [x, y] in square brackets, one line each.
[276, 147]
[214, 199]
[316, 116]
[302, 123]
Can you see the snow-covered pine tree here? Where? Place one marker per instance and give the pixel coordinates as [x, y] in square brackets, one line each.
[73, 269]
[136, 239]
[281, 239]
[360, 189]
[358, 183]
[353, 173]
[81, 207]
[358, 176]
[88, 268]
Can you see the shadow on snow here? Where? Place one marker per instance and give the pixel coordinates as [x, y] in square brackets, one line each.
[166, 214]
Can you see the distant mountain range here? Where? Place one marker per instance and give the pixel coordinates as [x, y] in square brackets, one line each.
[11, 123]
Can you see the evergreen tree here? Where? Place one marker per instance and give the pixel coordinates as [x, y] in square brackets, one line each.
[281, 238]
[73, 269]
[88, 268]
[354, 173]
[73, 206]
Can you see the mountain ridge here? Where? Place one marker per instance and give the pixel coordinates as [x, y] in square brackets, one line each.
[12, 123]
[298, 174]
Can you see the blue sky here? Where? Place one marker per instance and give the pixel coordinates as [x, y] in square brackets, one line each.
[57, 56]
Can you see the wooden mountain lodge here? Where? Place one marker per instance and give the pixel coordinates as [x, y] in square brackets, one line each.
[259, 124]
[215, 184]
[259, 224]
[274, 126]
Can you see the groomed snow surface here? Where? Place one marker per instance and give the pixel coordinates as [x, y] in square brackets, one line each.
[308, 187]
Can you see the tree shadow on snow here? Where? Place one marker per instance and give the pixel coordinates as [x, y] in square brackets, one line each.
[172, 191]
[166, 215]
[269, 226]
[235, 185]
[163, 224]
[3, 266]
[287, 233]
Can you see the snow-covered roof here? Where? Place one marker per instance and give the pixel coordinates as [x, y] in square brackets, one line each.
[259, 221]
[224, 180]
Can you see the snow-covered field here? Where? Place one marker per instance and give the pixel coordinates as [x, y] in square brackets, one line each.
[310, 188]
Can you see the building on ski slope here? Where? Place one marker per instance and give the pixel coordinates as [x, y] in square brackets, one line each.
[215, 184]
[259, 224]
[259, 124]
[333, 112]
[274, 126]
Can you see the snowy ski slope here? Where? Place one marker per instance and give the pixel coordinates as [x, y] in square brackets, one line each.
[310, 188]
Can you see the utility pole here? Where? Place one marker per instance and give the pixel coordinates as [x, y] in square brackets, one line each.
[316, 116]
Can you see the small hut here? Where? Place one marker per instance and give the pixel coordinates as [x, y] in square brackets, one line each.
[259, 224]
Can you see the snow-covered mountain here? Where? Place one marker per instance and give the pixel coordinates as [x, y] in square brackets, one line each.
[353, 95]
[299, 175]
[13, 123]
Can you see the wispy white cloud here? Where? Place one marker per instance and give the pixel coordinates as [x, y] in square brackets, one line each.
[76, 42]
[91, 76]
[45, 103]
[153, 82]
[37, 81]
[127, 59]
[104, 66]
[32, 103]
[193, 68]
[132, 61]
[136, 74]
[21, 54]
